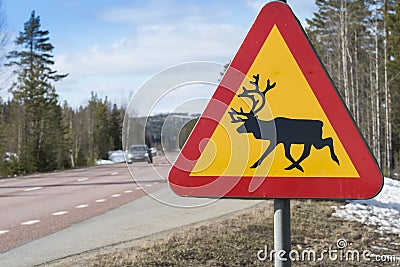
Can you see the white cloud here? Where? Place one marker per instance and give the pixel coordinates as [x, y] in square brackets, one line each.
[303, 9]
[154, 47]
[160, 36]
[120, 66]
[138, 15]
[255, 5]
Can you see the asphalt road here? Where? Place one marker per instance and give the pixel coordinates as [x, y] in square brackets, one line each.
[59, 216]
[133, 224]
[35, 206]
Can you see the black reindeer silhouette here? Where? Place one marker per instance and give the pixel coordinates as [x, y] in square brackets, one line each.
[288, 131]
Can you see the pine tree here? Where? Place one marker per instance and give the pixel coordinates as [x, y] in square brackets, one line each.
[35, 92]
[101, 132]
[98, 129]
[116, 128]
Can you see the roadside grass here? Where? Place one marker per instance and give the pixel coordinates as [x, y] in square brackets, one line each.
[235, 241]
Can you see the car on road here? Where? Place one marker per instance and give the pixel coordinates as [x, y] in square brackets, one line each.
[138, 153]
[117, 156]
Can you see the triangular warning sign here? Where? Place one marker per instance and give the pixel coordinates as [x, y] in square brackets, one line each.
[276, 127]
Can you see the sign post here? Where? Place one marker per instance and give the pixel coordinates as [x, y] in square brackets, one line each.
[282, 235]
[282, 240]
[276, 127]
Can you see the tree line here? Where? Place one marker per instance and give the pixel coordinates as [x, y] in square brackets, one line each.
[39, 134]
[359, 43]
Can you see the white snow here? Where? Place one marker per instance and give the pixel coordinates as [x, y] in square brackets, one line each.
[382, 210]
[104, 162]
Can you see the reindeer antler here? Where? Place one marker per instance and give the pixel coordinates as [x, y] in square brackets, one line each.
[234, 113]
[269, 86]
[251, 93]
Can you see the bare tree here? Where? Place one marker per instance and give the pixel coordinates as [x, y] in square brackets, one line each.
[388, 124]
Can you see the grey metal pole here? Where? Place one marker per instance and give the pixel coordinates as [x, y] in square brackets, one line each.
[282, 242]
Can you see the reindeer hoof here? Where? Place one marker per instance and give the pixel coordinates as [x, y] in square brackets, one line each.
[335, 159]
[295, 165]
[255, 165]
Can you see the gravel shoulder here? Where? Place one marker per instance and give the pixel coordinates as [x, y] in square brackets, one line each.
[236, 238]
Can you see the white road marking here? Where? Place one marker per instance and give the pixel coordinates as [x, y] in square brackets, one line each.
[116, 195]
[128, 191]
[148, 185]
[82, 179]
[59, 213]
[138, 188]
[33, 188]
[82, 206]
[114, 173]
[101, 200]
[8, 180]
[4, 232]
[30, 222]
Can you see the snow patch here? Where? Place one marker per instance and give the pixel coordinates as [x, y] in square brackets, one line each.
[382, 211]
[104, 162]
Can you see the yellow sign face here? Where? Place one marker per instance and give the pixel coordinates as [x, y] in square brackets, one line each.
[301, 125]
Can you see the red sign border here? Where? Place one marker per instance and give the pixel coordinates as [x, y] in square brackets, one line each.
[366, 186]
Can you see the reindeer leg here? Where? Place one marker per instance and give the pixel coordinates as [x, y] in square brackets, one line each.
[328, 142]
[287, 153]
[306, 153]
[264, 155]
[289, 157]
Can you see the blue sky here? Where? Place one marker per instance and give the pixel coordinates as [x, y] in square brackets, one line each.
[112, 46]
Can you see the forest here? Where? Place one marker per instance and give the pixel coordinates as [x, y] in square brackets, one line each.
[358, 42]
[37, 132]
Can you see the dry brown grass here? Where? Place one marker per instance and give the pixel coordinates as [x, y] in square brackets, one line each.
[235, 241]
